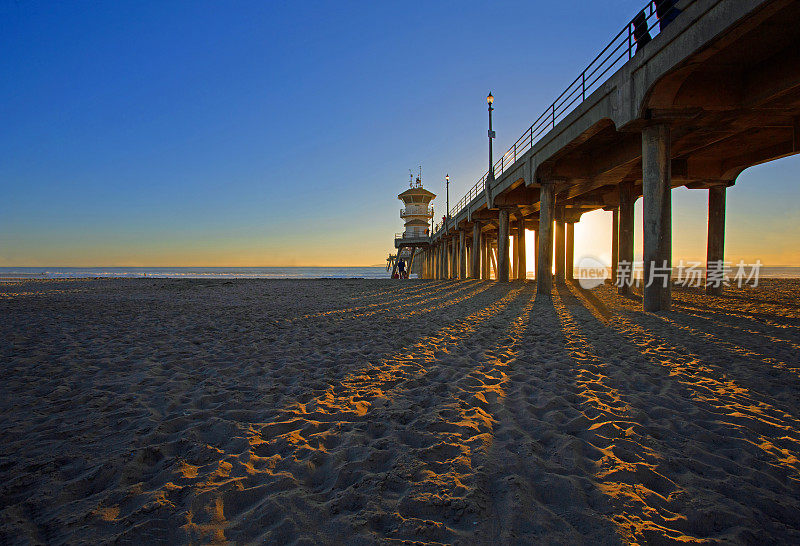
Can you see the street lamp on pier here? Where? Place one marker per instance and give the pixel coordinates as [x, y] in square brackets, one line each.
[447, 197]
[490, 174]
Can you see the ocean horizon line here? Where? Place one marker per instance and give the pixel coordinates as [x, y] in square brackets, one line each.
[257, 272]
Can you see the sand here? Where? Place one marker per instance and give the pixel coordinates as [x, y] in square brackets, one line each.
[360, 412]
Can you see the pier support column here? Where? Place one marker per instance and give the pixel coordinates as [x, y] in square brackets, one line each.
[462, 253]
[477, 245]
[502, 246]
[443, 259]
[624, 276]
[560, 245]
[715, 253]
[614, 244]
[493, 257]
[454, 263]
[657, 218]
[535, 252]
[522, 264]
[429, 263]
[440, 256]
[514, 243]
[446, 258]
[485, 258]
[544, 256]
[570, 251]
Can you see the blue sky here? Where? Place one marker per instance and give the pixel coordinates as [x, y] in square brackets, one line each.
[279, 133]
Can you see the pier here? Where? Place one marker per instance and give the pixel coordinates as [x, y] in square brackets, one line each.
[715, 91]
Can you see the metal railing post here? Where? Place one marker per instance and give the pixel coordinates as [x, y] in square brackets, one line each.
[583, 85]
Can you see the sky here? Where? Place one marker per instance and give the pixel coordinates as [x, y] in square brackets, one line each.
[272, 133]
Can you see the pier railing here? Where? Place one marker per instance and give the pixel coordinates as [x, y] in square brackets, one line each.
[412, 212]
[619, 50]
[398, 236]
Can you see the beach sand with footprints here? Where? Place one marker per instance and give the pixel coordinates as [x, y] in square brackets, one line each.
[353, 411]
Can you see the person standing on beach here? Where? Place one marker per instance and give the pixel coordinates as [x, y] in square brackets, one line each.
[401, 267]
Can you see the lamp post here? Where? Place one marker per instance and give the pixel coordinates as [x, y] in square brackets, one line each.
[490, 174]
[447, 196]
[490, 100]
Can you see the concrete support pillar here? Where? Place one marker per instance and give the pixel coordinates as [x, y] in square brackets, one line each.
[442, 259]
[715, 253]
[493, 257]
[485, 258]
[514, 250]
[544, 256]
[454, 263]
[535, 252]
[451, 258]
[570, 251]
[445, 258]
[624, 276]
[657, 218]
[462, 253]
[429, 263]
[614, 244]
[560, 245]
[502, 247]
[477, 241]
[522, 264]
[446, 251]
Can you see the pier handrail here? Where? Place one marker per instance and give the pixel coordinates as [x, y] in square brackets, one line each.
[619, 50]
[428, 213]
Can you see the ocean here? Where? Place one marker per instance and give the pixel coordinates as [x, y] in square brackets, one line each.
[196, 272]
[252, 272]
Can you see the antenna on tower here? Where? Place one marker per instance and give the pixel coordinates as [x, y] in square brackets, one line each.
[419, 177]
[410, 178]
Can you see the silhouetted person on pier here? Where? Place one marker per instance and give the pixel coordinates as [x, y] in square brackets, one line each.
[640, 32]
[666, 12]
[401, 266]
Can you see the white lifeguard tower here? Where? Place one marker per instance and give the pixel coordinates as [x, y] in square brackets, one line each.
[417, 214]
